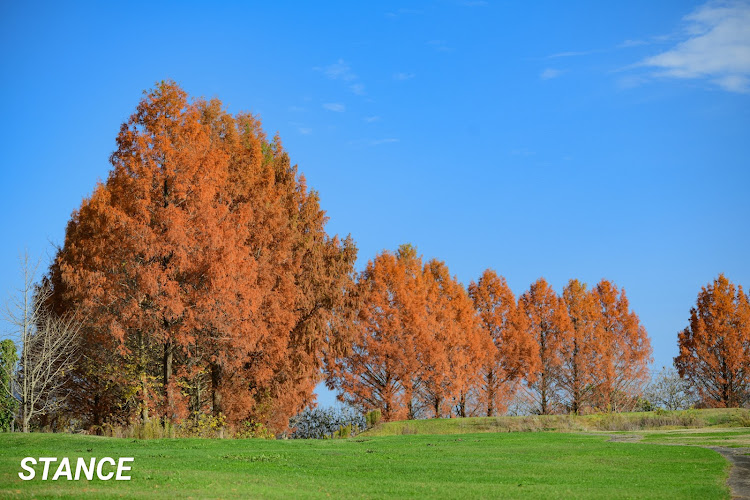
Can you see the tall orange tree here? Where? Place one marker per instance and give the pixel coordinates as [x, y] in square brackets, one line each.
[188, 263]
[381, 368]
[514, 353]
[715, 347]
[624, 350]
[548, 322]
[582, 350]
[455, 347]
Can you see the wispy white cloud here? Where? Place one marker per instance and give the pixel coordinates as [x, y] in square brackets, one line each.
[632, 43]
[403, 76]
[334, 106]
[297, 109]
[717, 47]
[371, 119]
[550, 73]
[305, 130]
[340, 70]
[631, 81]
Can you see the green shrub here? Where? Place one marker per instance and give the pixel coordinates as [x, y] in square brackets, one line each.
[742, 419]
[254, 430]
[373, 418]
[345, 431]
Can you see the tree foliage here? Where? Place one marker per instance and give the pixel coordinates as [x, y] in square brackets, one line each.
[593, 351]
[514, 354]
[205, 271]
[715, 347]
[581, 349]
[416, 349]
[624, 349]
[8, 403]
[209, 286]
[548, 322]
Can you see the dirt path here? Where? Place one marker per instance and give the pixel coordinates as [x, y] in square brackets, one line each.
[625, 438]
[739, 476]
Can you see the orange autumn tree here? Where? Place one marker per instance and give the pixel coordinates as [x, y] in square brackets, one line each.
[188, 263]
[513, 353]
[715, 347]
[549, 324]
[382, 368]
[624, 350]
[417, 344]
[455, 348]
[581, 350]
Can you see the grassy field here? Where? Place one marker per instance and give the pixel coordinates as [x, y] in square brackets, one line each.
[485, 465]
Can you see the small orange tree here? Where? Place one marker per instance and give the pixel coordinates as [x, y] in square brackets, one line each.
[715, 347]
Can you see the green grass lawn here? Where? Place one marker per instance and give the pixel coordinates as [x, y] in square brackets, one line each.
[488, 465]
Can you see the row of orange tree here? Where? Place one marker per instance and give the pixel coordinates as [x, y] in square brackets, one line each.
[208, 284]
[427, 347]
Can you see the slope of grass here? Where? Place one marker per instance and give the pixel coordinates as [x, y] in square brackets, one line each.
[500, 465]
[569, 423]
[730, 438]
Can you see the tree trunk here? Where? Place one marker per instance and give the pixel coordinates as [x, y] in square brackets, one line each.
[215, 385]
[26, 417]
[144, 399]
[490, 393]
[141, 368]
[167, 376]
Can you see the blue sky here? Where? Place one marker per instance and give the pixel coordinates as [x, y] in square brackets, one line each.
[552, 139]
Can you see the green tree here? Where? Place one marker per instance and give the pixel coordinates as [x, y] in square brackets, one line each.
[8, 404]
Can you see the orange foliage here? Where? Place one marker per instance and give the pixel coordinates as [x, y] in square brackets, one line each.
[203, 268]
[417, 345]
[715, 347]
[514, 353]
[381, 369]
[549, 324]
[209, 284]
[455, 348]
[624, 350]
[581, 350]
